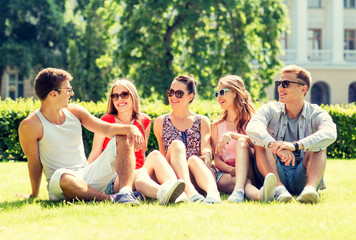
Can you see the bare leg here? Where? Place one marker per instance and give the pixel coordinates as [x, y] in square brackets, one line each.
[226, 183]
[315, 164]
[203, 177]
[266, 162]
[73, 188]
[242, 163]
[145, 184]
[158, 167]
[125, 162]
[176, 156]
[251, 191]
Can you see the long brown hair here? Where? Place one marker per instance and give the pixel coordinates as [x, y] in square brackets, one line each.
[243, 102]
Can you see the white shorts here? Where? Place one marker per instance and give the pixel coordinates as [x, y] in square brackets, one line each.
[98, 174]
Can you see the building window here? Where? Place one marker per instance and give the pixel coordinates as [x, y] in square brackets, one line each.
[350, 39]
[352, 92]
[14, 86]
[314, 3]
[349, 3]
[283, 40]
[314, 39]
[320, 93]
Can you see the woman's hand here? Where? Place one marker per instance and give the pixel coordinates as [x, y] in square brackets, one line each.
[221, 146]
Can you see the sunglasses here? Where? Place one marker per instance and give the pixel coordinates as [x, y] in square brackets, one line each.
[69, 90]
[123, 95]
[178, 93]
[221, 92]
[285, 83]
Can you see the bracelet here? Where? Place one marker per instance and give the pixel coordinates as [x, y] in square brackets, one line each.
[296, 146]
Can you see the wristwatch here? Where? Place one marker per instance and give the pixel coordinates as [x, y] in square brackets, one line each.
[296, 146]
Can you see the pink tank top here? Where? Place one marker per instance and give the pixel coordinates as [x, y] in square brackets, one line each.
[228, 156]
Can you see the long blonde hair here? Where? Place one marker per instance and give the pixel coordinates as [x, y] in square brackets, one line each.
[243, 102]
[136, 112]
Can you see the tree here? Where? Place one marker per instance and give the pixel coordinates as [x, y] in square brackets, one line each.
[32, 34]
[160, 39]
[88, 46]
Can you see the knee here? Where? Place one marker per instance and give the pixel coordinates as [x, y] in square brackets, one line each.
[140, 174]
[194, 162]
[177, 145]
[155, 154]
[241, 143]
[122, 141]
[67, 181]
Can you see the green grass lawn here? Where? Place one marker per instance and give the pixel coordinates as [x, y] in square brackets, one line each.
[333, 218]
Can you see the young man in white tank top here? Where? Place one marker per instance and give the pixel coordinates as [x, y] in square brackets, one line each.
[51, 138]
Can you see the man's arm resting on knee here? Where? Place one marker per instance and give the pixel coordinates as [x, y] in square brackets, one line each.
[106, 129]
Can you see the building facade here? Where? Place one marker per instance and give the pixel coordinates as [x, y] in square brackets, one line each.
[322, 39]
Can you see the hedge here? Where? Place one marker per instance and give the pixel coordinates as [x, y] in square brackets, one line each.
[12, 112]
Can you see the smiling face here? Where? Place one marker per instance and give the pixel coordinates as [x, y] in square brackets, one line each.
[294, 93]
[184, 101]
[227, 101]
[122, 105]
[64, 94]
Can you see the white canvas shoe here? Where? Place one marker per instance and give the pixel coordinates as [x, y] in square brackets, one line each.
[169, 192]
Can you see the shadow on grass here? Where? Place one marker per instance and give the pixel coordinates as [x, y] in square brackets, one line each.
[12, 205]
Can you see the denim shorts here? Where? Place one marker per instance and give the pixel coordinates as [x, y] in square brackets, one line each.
[217, 174]
[294, 177]
[110, 187]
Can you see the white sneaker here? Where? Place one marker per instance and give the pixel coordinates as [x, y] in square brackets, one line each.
[182, 198]
[269, 186]
[169, 192]
[308, 195]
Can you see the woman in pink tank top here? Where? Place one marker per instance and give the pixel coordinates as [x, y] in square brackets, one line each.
[233, 150]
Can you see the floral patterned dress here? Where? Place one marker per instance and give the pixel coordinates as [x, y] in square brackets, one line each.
[190, 137]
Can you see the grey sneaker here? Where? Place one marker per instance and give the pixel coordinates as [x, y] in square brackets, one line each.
[281, 194]
[236, 196]
[268, 189]
[308, 195]
[169, 192]
[125, 198]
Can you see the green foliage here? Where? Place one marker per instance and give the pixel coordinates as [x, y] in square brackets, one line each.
[32, 34]
[88, 47]
[13, 112]
[158, 40]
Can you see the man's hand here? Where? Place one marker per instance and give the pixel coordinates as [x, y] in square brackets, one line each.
[25, 196]
[135, 138]
[281, 145]
[286, 156]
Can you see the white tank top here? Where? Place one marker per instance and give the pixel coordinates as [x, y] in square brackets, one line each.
[61, 145]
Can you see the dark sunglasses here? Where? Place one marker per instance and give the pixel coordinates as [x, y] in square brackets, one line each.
[123, 95]
[221, 92]
[178, 93]
[285, 83]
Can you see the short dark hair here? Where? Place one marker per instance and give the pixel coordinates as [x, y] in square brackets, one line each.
[190, 82]
[49, 79]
